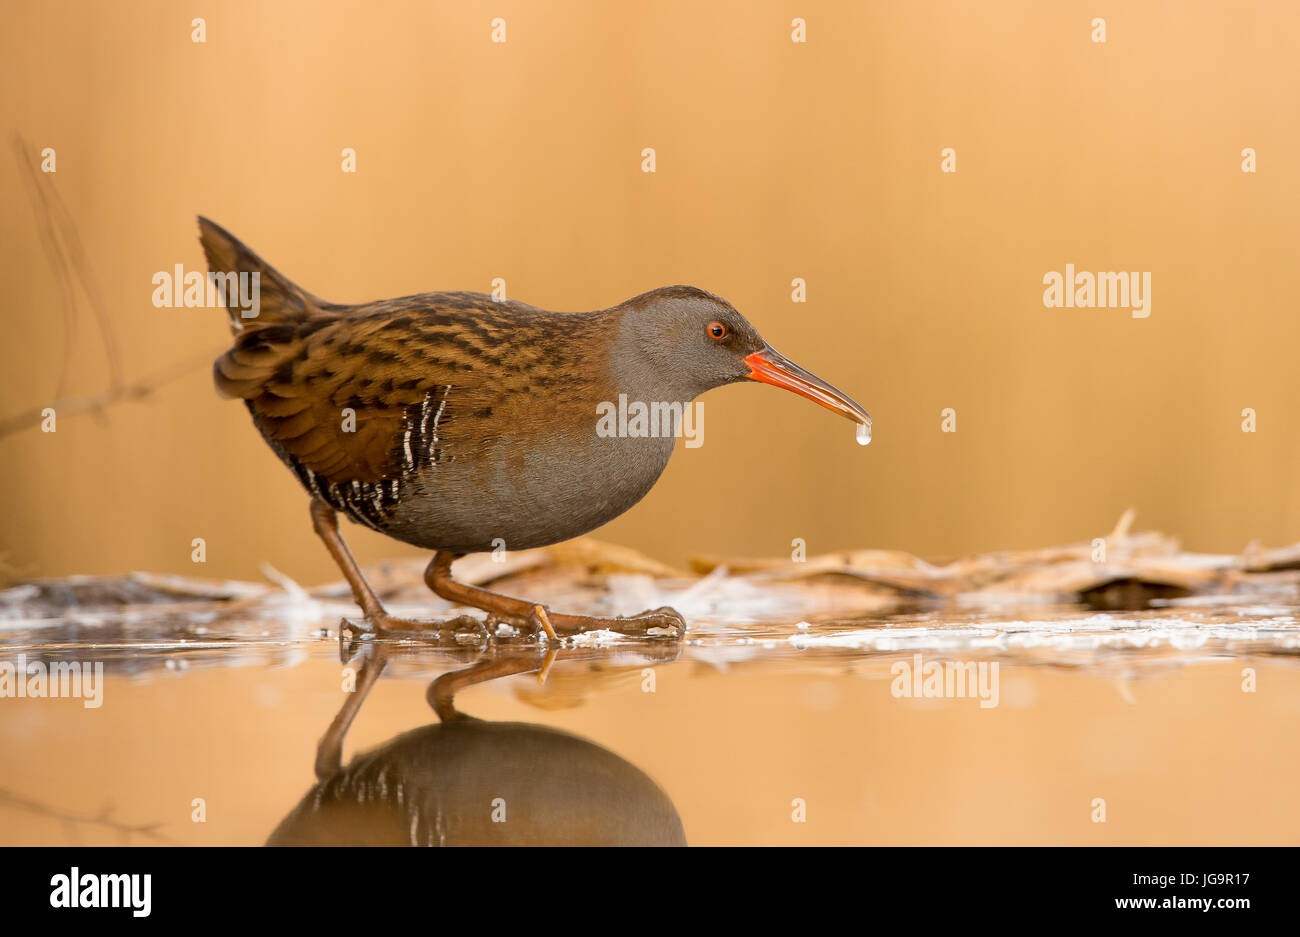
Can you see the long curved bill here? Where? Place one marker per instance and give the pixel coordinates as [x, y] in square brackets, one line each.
[772, 367]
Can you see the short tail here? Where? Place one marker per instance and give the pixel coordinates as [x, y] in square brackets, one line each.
[279, 300]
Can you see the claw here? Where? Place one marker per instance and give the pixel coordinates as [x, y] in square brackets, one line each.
[542, 619]
[363, 626]
[468, 624]
[350, 648]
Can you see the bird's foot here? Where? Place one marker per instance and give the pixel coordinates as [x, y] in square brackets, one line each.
[534, 619]
[382, 625]
[540, 620]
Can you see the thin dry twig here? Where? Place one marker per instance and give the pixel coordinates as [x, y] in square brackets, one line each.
[98, 403]
[103, 818]
[51, 212]
[68, 261]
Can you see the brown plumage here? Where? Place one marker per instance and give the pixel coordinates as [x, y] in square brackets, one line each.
[381, 361]
[455, 422]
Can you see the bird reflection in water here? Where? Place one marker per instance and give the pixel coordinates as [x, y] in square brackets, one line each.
[463, 781]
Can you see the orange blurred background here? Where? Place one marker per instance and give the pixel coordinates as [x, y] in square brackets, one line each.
[775, 160]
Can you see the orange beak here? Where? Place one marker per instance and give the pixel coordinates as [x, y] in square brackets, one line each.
[772, 367]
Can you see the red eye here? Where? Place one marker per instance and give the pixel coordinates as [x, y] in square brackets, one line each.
[717, 330]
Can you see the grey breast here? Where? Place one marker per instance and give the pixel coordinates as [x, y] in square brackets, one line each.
[526, 483]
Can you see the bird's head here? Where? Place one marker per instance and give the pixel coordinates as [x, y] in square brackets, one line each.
[695, 341]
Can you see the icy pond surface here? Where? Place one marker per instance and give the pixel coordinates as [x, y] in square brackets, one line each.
[221, 720]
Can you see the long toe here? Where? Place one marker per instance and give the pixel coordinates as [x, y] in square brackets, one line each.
[385, 626]
[659, 619]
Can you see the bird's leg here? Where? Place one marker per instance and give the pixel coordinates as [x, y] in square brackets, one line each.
[534, 617]
[325, 520]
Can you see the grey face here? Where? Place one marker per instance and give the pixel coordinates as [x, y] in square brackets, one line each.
[693, 340]
[681, 341]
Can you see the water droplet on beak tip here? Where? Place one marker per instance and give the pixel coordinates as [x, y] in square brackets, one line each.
[864, 434]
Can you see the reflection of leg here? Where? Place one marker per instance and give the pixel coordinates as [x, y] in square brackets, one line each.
[533, 617]
[442, 691]
[329, 752]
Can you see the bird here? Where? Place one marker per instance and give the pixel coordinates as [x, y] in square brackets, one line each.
[460, 423]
